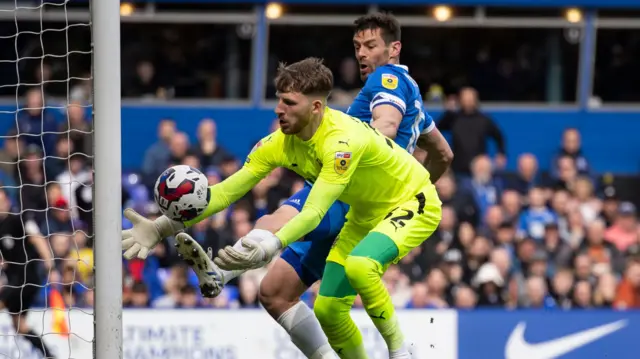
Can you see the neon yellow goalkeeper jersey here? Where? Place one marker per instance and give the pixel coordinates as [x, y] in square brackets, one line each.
[346, 159]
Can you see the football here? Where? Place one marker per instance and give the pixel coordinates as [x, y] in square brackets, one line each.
[182, 193]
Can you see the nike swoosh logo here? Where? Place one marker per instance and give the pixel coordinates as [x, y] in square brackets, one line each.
[518, 348]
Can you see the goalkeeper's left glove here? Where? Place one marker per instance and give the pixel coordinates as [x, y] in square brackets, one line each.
[257, 249]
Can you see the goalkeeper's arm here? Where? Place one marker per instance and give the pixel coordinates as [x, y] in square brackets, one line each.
[323, 194]
[222, 195]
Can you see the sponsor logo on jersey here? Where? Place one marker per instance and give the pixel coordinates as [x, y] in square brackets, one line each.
[341, 162]
[389, 81]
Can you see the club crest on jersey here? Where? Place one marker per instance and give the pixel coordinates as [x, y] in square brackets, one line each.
[257, 145]
[341, 162]
[389, 81]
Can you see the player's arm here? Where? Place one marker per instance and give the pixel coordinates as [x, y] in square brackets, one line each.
[263, 158]
[340, 157]
[439, 154]
[146, 234]
[386, 118]
[39, 242]
[388, 104]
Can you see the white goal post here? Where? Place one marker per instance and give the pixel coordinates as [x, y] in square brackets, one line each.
[32, 43]
[105, 18]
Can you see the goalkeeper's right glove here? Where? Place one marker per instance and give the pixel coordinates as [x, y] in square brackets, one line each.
[146, 234]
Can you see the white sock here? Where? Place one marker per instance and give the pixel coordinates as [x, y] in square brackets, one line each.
[306, 333]
[228, 275]
[402, 353]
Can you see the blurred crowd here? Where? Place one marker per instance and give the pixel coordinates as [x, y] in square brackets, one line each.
[163, 61]
[525, 239]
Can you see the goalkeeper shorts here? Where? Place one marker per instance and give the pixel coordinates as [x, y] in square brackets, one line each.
[308, 256]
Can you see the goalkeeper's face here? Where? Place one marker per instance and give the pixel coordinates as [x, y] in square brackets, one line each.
[295, 111]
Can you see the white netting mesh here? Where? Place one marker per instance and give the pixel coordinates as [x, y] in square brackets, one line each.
[45, 180]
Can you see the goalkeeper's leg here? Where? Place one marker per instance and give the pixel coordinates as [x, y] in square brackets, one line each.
[300, 266]
[336, 296]
[402, 230]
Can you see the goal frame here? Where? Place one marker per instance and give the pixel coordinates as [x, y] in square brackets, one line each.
[107, 207]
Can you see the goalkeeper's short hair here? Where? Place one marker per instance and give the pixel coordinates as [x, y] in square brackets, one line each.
[308, 77]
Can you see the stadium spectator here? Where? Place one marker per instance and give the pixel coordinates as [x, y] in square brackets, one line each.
[558, 251]
[571, 147]
[36, 123]
[625, 230]
[533, 220]
[145, 83]
[604, 256]
[78, 129]
[628, 291]
[567, 173]
[561, 288]
[537, 296]
[208, 149]
[511, 203]
[490, 285]
[157, 157]
[463, 203]
[470, 130]
[485, 188]
[465, 298]
[347, 84]
[13, 145]
[527, 175]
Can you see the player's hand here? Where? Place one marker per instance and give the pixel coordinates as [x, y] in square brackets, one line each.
[142, 238]
[256, 250]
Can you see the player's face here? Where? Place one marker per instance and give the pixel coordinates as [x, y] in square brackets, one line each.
[294, 112]
[372, 52]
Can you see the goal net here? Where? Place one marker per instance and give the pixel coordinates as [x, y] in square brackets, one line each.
[46, 166]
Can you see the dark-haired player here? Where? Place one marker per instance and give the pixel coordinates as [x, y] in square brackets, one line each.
[21, 254]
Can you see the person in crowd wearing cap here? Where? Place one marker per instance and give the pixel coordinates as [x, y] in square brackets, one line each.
[490, 284]
[624, 231]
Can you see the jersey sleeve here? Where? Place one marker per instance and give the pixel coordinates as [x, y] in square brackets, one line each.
[340, 156]
[265, 155]
[223, 194]
[429, 124]
[320, 199]
[386, 88]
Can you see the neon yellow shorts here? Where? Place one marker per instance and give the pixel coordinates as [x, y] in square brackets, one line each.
[409, 224]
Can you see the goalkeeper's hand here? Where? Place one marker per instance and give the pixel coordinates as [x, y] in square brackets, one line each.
[256, 250]
[142, 238]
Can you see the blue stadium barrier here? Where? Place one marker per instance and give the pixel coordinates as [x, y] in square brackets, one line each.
[610, 139]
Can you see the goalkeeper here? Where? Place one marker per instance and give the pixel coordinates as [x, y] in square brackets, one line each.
[394, 205]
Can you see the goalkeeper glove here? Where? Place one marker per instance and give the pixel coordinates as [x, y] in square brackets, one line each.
[258, 248]
[146, 234]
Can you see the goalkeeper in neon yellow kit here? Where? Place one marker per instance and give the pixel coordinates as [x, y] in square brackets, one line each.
[394, 206]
